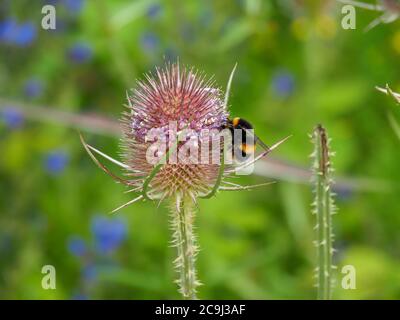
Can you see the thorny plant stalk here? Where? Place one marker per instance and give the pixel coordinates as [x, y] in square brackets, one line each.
[323, 208]
[182, 218]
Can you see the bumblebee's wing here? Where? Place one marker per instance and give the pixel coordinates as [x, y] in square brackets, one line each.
[257, 140]
[261, 143]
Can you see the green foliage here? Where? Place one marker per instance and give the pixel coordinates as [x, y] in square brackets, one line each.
[296, 68]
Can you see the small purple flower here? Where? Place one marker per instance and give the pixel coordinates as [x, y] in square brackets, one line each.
[20, 35]
[149, 41]
[8, 29]
[12, 117]
[56, 161]
[108, 233]
[25, 34]
[74, 6]
[283, 84]
[154, 11]
[80, 52]
[33, 88]
[77, 246]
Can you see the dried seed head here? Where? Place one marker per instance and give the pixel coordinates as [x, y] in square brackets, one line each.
[172, 97]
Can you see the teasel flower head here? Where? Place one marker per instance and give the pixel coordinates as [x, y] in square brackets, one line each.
[162, 106]
[172, 121]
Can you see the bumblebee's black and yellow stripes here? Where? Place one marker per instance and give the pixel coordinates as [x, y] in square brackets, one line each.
[246, 147]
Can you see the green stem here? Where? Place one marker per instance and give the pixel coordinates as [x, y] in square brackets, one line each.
[182, 218]
[324, 209]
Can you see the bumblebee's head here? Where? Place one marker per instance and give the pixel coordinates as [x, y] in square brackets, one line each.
[246, 146]
[239, 123]
[243, 148]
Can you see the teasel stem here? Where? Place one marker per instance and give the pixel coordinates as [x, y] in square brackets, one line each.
[324, 208]
[184, 239]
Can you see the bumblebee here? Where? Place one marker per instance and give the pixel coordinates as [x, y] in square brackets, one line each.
[244, 141]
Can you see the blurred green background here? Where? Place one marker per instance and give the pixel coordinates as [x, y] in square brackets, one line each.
[296, 67]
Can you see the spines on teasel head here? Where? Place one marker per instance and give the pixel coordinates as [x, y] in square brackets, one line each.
[172, 96]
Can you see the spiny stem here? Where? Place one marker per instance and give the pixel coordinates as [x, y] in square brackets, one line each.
[182, 218]
[323, 208]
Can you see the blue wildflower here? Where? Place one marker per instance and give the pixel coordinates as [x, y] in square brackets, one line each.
[56, 161]
[12, 117]
[74, 6]
[33, 88]
[108, 233]
[149, 41]
[20, 35]
[80, 52]
[283, 83]
[77, 246]
[8, 29]
[154, 11]
[25, 35]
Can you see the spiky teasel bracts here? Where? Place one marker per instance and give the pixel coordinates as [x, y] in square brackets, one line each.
[172, 98]
[180, 110]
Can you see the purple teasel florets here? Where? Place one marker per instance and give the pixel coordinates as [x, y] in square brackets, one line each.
[180, 98]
